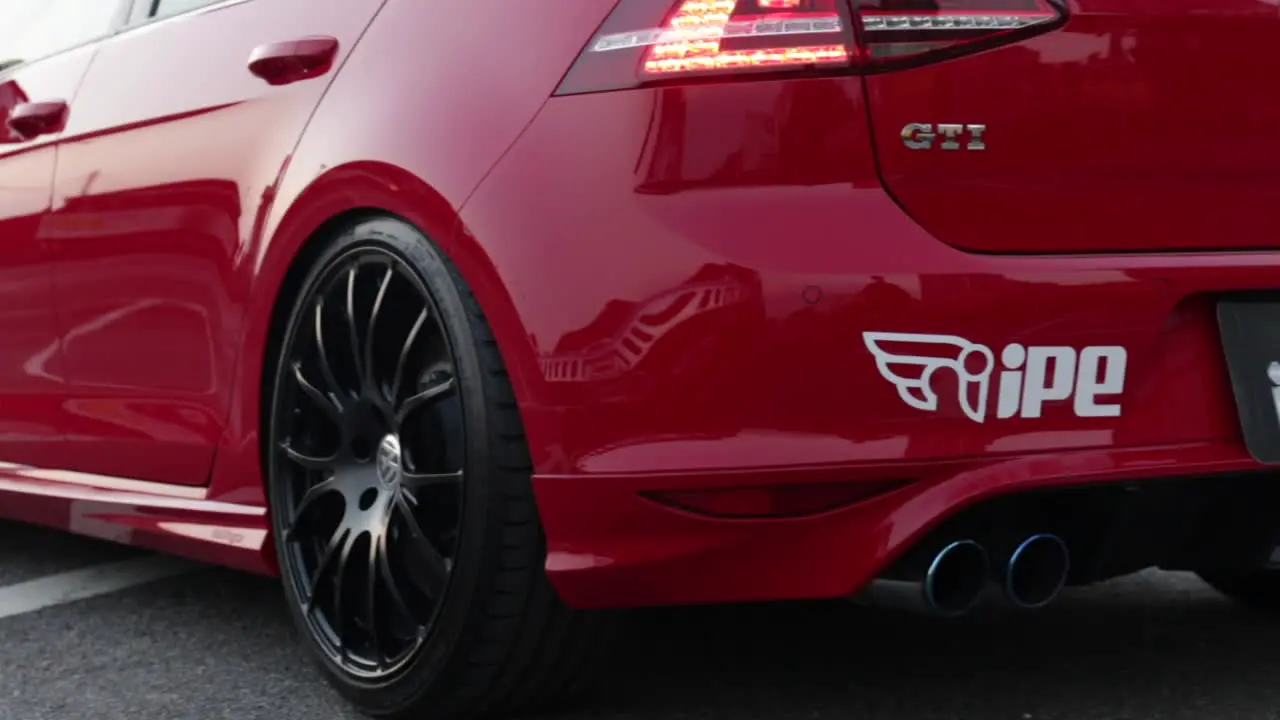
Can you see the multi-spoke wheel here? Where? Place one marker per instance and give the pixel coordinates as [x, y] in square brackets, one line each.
[401, 523]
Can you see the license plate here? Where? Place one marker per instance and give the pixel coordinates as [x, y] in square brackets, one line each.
[1250, 329]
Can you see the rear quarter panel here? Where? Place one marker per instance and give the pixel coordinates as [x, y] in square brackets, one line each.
[426, 105]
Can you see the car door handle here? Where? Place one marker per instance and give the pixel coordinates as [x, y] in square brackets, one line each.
[288, 62]
[33, 119]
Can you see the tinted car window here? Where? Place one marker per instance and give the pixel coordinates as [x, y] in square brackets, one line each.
[174, 7]
[33, 29]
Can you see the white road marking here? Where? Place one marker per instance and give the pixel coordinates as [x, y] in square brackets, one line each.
[68, 587]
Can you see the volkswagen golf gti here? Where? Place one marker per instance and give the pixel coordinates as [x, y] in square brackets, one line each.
[475, 321]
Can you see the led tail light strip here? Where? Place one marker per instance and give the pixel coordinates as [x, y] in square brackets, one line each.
[758, 28]
[647, 41]
[952, 21]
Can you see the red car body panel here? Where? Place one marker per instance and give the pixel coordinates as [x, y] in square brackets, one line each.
[679, 278]
[31, 373]
[1139, 127]
[773, 384]
[151, 258]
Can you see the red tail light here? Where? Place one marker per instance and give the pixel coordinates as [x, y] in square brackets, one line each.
[659, 41]
[646, 41]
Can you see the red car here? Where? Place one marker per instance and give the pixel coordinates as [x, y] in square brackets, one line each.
[473, 318]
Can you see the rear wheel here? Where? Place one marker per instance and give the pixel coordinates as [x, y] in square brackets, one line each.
[401, 501]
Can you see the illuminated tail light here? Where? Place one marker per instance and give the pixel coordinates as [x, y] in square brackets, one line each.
[661, 41]
[647, 41]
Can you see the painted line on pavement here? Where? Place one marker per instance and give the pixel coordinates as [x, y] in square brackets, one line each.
[68, 587]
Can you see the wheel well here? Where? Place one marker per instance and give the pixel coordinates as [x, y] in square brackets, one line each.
[285, 298]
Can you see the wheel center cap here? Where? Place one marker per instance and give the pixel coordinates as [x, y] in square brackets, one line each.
[388, 460]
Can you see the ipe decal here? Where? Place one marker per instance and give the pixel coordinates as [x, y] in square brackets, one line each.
[1028, 377]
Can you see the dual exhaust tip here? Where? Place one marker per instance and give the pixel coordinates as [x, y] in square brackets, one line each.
[960, 575]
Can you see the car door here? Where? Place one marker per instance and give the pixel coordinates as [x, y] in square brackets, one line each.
[171, 156]
[45, 48]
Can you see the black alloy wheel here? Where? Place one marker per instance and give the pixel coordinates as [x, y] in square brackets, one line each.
[373, 519]
[401, 500]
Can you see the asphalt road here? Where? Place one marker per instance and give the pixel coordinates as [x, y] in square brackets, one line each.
[218, 644]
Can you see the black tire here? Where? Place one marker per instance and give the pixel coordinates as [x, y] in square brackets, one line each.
[1255, 589]
[496, 638]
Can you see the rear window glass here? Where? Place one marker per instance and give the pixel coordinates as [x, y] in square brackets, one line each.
[164, 8]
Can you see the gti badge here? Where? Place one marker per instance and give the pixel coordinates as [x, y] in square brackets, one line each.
[1030, 376]
[922, 136]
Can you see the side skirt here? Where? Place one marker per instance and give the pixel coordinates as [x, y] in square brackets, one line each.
[178, 520]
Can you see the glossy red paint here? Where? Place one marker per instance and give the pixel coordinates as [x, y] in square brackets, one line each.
[149, 255]
[678, 277]
[745, 264]
[422, 170]
[1105, 136]
[32, 379]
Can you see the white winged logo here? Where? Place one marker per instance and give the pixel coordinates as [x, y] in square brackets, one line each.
[911, 369]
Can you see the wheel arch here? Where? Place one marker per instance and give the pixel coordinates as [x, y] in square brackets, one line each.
[285, 297]
[338, 197]
[529, 663]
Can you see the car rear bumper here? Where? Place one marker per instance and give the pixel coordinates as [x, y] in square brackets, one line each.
[611, 546]
[692, 274]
